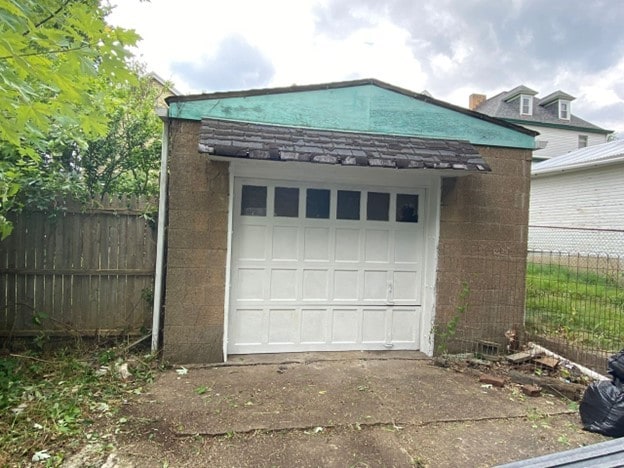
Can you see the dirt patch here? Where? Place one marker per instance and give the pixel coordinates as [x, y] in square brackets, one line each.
[478, 443]
[342, 413]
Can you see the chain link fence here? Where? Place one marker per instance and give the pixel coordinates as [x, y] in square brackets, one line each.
[575, 292]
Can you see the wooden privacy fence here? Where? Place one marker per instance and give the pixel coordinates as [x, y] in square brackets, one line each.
[83, 272]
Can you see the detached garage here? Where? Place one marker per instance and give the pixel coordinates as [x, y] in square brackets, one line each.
[335, 217]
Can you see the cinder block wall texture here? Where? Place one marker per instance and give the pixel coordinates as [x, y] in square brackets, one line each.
[196, 250]
[482, 248]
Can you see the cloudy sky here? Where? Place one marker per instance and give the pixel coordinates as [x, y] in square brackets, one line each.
[451, 48]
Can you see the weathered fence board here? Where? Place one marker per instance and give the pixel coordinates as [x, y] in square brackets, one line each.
[85, 271]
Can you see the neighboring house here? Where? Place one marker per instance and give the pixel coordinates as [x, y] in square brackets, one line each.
[340, 216]
[577, 201]
[165, 89]
[560, 130]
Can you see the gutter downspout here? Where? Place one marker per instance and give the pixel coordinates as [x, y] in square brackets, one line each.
[160, 239]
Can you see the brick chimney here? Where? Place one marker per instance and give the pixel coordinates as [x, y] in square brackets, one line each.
[475, 100]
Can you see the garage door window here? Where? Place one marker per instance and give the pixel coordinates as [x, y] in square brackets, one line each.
[317, 203]
[348, 205]
[254, 200]
[407, 208]
[286, 202]
[378, 206]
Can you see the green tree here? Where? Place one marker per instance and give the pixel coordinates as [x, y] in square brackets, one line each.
[123, 161]
[54, 57]
[126, 160]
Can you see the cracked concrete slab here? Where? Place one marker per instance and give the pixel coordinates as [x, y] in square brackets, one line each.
[312, 393]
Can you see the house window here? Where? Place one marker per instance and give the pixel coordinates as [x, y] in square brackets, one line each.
[286, 202]
[526, 105]
[582, 141]
[564, 110]
[378, 206]
[317, 203]
[254, 200]
[407, 208]
[348, 206]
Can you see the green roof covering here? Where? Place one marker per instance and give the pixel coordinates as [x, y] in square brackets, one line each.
[367, 106]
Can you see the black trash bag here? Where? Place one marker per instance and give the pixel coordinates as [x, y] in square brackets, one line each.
[616, 366]
[602, 409]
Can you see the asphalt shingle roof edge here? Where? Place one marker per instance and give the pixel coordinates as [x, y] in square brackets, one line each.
[246, 140]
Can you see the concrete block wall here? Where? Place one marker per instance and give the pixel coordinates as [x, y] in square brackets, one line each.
[196, 250]
[483, 242]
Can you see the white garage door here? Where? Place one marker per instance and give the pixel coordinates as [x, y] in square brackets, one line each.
[322, 268]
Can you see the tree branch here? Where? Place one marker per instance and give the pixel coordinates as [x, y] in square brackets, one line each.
[32, 54]
[54, 13]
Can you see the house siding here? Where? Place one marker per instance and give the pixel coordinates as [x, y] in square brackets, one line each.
[483, 242]
[562, 141]
[592, 198]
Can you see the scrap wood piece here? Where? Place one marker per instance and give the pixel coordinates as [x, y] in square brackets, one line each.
[569, 390]
[547, 361]
[520, 357]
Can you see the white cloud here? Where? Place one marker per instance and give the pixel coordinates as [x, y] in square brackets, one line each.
[376, 52]
[450, 47]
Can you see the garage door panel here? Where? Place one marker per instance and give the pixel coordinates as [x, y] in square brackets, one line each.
[252, 242]
[247, 327]
[316, 242]
[285, 243]
[374, 326]
[406, 286]
[314, 326]
[345, 326]
[404, 327]
[250, 284]
[377, 245]
[283, 326]
[346, 285]
[315, 285]
[376, 285]
[283, 285]
[347, 245]
[407, 246]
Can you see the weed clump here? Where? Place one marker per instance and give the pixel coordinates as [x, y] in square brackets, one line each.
[53, 403]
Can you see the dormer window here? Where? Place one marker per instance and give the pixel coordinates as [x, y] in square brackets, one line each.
[564, 109]
[558, 105]
[526, 104]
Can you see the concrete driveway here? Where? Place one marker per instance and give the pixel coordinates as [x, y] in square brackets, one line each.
[341, 409]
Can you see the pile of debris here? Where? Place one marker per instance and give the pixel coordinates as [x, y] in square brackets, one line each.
[533, 370]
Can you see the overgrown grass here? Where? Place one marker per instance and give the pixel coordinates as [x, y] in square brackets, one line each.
[53, 404]
[583, 307]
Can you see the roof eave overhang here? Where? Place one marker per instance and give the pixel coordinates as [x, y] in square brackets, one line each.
[247, 141]
[577, 167]
[562, 126]
[448, 172]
